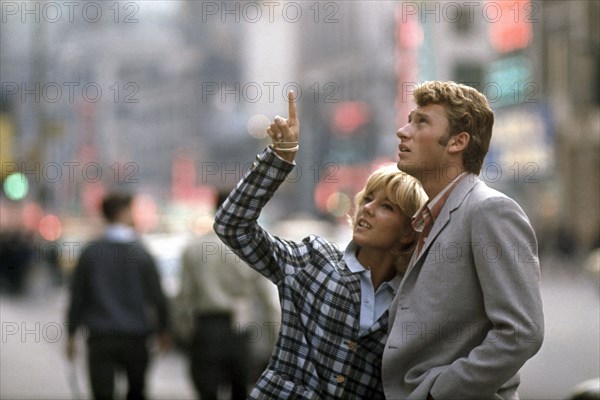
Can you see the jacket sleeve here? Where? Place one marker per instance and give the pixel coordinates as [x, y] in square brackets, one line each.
[504, 248]
[80, 291]
[184, 309]
[155, 294]
[236, 221]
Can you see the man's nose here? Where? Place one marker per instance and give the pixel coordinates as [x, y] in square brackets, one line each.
[402, 133]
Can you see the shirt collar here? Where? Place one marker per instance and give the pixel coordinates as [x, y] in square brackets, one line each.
[394, 284]
[350, 257]
[120, 233]
[435, 204]
[446, 189]
[356, 267]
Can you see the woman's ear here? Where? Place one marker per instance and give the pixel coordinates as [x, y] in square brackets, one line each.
[408, 238]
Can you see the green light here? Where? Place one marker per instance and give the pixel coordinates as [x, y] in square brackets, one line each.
[16, 186]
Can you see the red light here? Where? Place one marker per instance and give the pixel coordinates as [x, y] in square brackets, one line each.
[509, 24]
[145, 213]
[349, 116]
[50, 227]
[32, 214]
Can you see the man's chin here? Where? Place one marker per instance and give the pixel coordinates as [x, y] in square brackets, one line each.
[407, 168]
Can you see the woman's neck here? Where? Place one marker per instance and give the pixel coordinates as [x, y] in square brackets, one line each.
[382, 265]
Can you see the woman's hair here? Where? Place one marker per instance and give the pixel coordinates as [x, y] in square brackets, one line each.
[467, 111]
[400, 189]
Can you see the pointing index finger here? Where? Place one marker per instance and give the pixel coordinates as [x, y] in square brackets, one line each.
[292, 105]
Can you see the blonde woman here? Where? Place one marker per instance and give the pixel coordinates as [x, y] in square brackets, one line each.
[334, 304]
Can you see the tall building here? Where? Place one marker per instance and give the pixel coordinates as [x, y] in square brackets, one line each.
[116, 94]
[568, 51]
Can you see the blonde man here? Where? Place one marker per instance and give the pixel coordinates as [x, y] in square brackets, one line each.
[468, 314]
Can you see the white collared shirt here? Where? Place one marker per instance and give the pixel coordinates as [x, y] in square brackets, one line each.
[120, 233]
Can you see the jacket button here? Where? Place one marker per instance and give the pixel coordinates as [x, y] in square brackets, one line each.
[340, 379]
[352, 345]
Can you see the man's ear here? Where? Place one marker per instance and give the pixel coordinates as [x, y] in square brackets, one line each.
[458, 143]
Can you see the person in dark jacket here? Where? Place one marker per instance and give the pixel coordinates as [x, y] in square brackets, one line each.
[116, 294]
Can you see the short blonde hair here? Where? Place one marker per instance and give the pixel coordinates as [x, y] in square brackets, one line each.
[467, 111]
[400, 189]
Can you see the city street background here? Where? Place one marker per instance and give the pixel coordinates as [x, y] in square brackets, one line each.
[171, 99]
[33, 364]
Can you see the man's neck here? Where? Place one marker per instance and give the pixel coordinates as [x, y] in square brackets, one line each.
[434, 184]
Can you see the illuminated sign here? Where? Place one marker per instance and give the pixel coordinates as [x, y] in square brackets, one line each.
[510, 24]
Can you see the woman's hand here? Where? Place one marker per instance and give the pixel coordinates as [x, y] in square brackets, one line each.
[284, 132]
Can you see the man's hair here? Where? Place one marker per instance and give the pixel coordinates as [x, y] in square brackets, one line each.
[468, 111]
[400, 189]
[115, 202]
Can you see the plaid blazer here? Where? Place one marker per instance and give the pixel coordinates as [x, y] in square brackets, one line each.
[319, 353]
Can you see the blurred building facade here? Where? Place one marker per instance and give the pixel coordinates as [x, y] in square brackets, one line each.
[537, 62]
[348, 73]
[568, 53]
[177, 94]
[491, 46]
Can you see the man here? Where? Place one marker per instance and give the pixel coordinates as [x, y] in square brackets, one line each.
[220, 301]
[468, 313]
[116, 294]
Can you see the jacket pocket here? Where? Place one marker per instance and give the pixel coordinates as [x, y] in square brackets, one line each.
[273, 385]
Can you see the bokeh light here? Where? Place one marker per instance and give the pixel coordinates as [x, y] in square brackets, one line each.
[16, 186]
[50, 227]
[32, 215]
[339, 204]
[145, 213]
[258, 125]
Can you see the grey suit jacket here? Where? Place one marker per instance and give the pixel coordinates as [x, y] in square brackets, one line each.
[468, 313]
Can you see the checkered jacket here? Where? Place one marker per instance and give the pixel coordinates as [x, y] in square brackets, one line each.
[319, 353]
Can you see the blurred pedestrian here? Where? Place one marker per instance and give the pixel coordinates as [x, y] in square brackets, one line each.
[16, 254]
[219, 297]
[334, 303]
[52, 262]
[116, 294]
[468, 313]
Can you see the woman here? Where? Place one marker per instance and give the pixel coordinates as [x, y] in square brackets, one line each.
[334, 304]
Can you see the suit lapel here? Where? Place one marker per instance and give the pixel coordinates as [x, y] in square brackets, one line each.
[454, 201]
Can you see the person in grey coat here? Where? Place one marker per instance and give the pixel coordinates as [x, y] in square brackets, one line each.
[468, 313]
